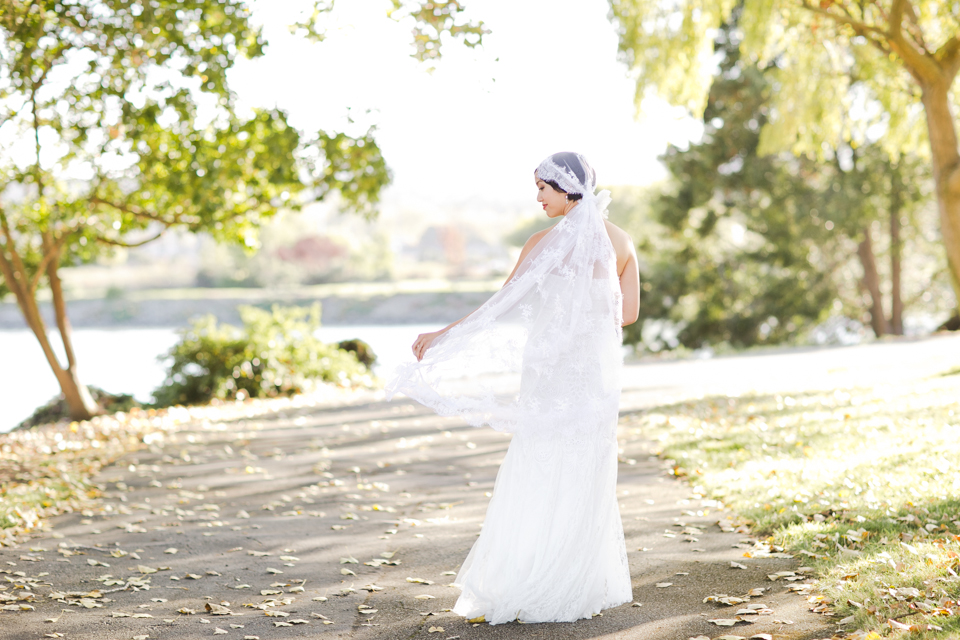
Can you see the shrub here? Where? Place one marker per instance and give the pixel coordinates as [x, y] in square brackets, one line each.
[275, 353]
[56, 409]
[360, 349]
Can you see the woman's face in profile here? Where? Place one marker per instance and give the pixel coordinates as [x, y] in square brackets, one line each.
[554, 202]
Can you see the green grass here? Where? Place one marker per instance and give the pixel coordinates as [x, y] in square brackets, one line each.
[863, 485]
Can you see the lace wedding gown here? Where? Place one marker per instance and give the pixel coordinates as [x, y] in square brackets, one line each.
[541, 359]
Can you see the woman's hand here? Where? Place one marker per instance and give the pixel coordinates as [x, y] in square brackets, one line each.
[423, 342]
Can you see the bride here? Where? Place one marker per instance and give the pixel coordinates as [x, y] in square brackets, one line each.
[541, 359]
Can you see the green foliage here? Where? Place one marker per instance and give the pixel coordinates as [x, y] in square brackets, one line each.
[275, 353]
[363, 351]
[432, 20]
[837, 67]
[114, 92]
[754, 249]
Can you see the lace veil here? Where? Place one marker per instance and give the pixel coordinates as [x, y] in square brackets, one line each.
[543, 354]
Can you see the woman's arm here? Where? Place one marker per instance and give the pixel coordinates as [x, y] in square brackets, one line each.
[630, 287]
[425, 340]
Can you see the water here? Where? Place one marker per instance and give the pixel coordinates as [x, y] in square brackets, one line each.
[126, 361]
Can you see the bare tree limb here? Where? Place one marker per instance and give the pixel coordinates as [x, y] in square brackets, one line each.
[16, 260]
[949, 56]
[128, 245]
[875, 36]
[920, 64]
[134, 211]
[861, 28]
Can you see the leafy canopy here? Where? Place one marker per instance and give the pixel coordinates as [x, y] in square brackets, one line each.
[116, 117]
[837, 71]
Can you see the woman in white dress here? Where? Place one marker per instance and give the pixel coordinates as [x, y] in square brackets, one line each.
[541, 359]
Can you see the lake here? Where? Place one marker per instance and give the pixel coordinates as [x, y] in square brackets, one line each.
[126, 361]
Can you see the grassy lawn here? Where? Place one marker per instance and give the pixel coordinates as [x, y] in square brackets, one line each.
[862, 484]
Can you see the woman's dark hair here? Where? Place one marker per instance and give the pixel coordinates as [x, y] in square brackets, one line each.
[556, 187]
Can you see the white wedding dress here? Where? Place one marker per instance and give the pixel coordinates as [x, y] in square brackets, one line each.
[541, 359]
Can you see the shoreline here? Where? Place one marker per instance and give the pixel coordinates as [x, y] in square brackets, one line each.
[372, 303]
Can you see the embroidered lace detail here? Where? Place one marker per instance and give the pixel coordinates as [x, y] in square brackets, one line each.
[558, 168]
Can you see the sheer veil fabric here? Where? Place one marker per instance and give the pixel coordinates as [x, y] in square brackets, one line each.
[541, 360]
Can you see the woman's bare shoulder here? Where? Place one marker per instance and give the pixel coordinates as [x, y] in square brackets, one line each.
[535, 238]
[621, 240]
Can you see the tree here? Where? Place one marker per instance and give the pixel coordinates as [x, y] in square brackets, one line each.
[844, 71]
[755, 249]
[118, 123]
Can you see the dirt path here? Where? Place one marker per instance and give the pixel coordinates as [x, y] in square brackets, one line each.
[272, 510]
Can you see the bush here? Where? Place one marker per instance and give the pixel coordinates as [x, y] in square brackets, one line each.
[276, 353]
[360, 349]
[57, 409]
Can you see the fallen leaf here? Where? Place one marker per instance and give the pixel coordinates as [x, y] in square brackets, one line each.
[424, 596]
[435, 630]
[477, 620]
[219, 632]
[171, 551]
[663, 585]
[723, 622]
[349, 560]
[270, 592]
[282, 624]
[419, 581]
[299, 621]
[217, 609]
[347, 572]
[761, 636]
[737, 565]
[145, 570]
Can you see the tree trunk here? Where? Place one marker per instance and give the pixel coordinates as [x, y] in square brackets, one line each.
[78, 398]
[81, 403]
[871, 282]
[896, 249]
[946, 172]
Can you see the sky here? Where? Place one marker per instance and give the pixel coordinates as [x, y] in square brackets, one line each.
[468, 135]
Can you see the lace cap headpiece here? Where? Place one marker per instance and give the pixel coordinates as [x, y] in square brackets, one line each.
[569, 170]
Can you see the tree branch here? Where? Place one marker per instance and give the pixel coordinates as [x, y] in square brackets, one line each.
[15, 258]
[47, 257]
[139, 213]
[861, 28]
[920, 64]
[949, 56]
[128, 245]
